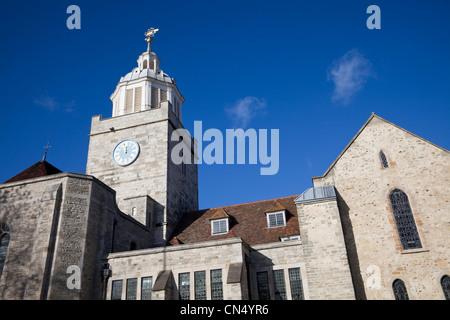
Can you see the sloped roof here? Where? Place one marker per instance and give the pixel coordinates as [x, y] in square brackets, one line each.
[275, 206]
[247, 221]
[220, 214]
[39, 169]
[372, 116]
[316, 194]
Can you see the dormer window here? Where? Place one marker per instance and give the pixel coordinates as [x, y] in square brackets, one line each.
[276, 219]
[219, 226]
[220, 222]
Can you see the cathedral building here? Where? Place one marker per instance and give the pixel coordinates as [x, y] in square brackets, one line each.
[375, 225]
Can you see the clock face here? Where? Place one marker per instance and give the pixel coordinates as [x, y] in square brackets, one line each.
[126, 152]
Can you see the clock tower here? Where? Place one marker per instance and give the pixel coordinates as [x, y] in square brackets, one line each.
[130, 152]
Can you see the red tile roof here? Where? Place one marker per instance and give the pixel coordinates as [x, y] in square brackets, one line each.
[247, 221]
[39, 169]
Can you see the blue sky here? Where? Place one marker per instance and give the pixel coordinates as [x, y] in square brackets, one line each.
[311, 69]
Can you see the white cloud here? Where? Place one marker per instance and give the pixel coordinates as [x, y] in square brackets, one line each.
[245, 109]
[349, 75]
[49, 103]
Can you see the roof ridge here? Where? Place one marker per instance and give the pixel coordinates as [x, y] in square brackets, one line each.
[246, 203]
[38, 169]
[373, 115]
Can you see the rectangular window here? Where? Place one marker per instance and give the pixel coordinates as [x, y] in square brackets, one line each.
[276, 219]
[279, 285]
[296, 284]
[219, 226]
[137, 99]
[129, 101]
[131, 289]
[216, 285]
[262, 281]
[155, 97]
[184, 286]
[116, 293]
[290, 238]
[146, 288]
[200, 285]
[163, 95]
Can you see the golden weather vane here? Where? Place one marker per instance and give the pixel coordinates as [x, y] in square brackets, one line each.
[150, 34]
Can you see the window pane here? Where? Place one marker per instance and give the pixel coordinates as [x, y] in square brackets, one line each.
[296, 284]
[263, 285]
[384, 160]
[223, 226]
[276, 219]
[184, 286]
[280, 285]
[445, 283]
[404, 220]
[116, 290]
[146, 288]
[216, 285]
[4, 243]
[200, 285]
[131, 289]
[280, 219]
[219, 226]
[400, 292]
[272, 220]
[3, 227]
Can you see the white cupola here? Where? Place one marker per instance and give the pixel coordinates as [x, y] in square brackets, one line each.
[146, 86]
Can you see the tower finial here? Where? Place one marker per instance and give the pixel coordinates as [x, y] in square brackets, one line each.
[46, 148]
[150, 34]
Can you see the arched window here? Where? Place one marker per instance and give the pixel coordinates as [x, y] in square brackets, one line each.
[400, 292]
[4, 243]
[383, 159]
[145, 64]
[445, 283]
[407, 230]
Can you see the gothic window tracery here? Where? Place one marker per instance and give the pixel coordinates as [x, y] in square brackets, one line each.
[400, 292]
[445, 284]
[383, 159]
[4, 243]
[406, 226]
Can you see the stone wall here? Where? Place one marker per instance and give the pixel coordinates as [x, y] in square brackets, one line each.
[153, 174]
[325, 257]
[232, 256]
[28, 211]
[422, 171]
[278, 256]
[57, 222]
[148, 174]
[205, 256]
